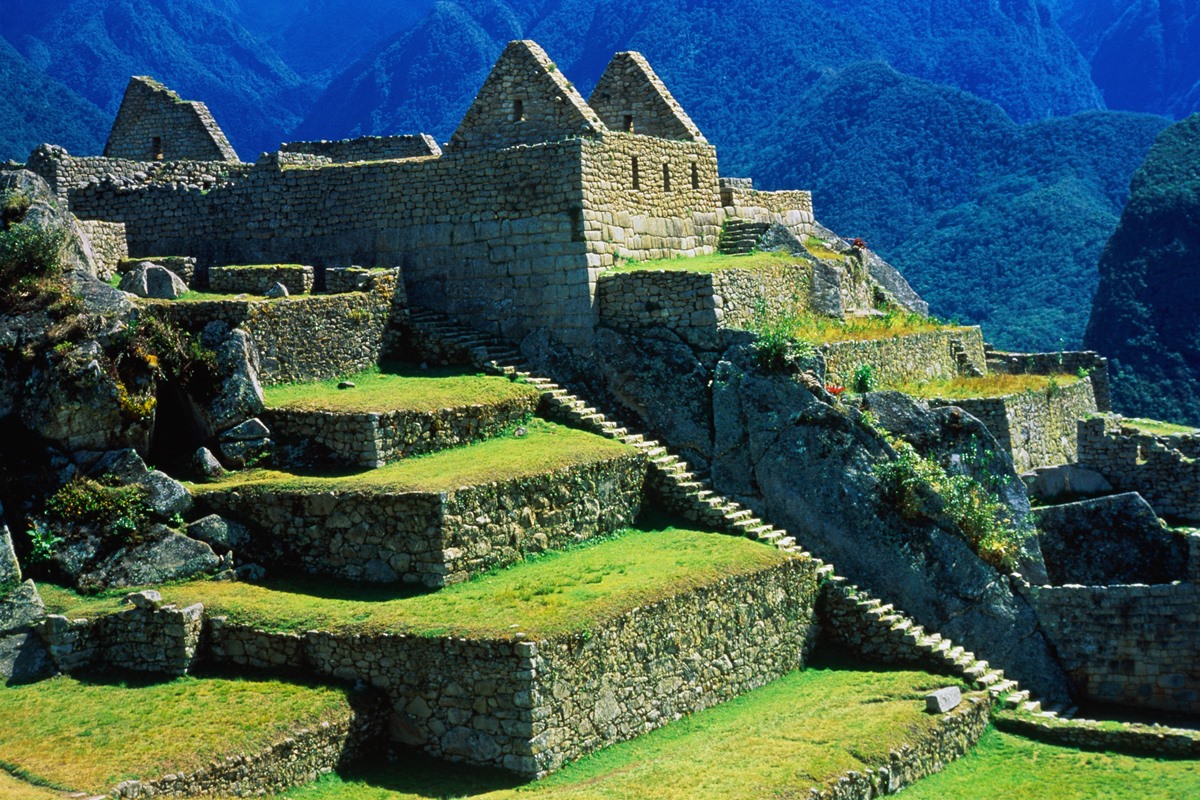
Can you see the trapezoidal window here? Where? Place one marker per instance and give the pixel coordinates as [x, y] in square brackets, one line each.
[156, 149]
[637, 178]
[666, 177]
[518, 113]
[628, 123]
[695, 176]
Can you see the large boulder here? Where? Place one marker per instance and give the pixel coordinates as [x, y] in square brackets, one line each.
[23, 655]
[169, 556]
[165, 496]
[809, 466]
[223, 534]
[10, 568]
[239, 396]
[151, 280]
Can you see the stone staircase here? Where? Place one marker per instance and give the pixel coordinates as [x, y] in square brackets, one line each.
[966, 367]
[740, 237]
[879, 630]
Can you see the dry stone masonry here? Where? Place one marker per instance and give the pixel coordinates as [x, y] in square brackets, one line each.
[155, 124]
[1163, 469]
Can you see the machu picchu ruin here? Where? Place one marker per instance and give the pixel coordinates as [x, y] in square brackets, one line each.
[545, 459]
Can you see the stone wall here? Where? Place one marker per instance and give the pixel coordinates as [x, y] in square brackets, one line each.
[1135, 738]
[155, 124]
[630, 97]
[372, 439]
[163, 641]
[432, 538]
[107, 240]
[500, 703]
[1162, 469]
[300, 758]
[1095, 365]
[258, 279]
[1132, 645]
[308, 337]
[901, 359]
[182, 266]
[792, 209]
[1038, 429]
[368, 148]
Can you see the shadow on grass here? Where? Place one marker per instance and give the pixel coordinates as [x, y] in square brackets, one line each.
[410, 772]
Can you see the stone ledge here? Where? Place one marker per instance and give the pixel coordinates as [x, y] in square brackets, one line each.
[1130, 738]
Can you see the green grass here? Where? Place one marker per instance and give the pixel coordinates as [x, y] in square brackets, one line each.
[398, 387]
[713, 263]
[260, 266]
[819, 329]
[965, 388]
[803, 730]
[13, 788]
[1011, 767]
[545, 447]
[88, 735]
[1155, 427]
[555, 593]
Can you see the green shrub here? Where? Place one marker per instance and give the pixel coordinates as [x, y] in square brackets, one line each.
[13, 208]
[29, 252]
[171, 352]
[42, 542]
[863, 379]
[119, 510]
[983, 521]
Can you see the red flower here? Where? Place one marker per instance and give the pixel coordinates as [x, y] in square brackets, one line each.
[861, 244]
[834, 390]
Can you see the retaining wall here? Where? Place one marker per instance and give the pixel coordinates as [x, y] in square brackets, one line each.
[368, 148]
[372, 439]
[1093, 363]
[307, 337]
[163, 641]
[1162, 469]
[1038, 429]
[433, 538]
[908, 358]
[529, 706]
[258, 279]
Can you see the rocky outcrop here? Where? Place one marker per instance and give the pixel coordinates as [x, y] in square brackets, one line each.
[1143, 315]
[153, 281]
[23, 657]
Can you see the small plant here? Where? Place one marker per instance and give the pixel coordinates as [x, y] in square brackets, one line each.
[358, 315]
[863, 379]
[42, 542]
[1083, 373]
[13, 208]
[834, 389]
[118, 510]
[1053, 388]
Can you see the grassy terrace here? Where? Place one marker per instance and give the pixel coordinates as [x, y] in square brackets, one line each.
[1157, 428]
[964, 388]
[555, 593]
[711, 263]
[88, 735]
[545, 447]
[398, 387]
[819, 329]
[803, 730]
[1009, 766]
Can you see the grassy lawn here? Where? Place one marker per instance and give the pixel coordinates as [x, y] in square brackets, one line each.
[1011, 767]
[88, 735]
[805, 729]
[545, 447]
[819, 329]
[12, 788]
[399, 387]
[554, 593]
[712, 263]
[1155, 427]
[964, 388]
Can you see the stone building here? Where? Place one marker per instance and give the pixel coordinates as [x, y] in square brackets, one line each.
[155, 124]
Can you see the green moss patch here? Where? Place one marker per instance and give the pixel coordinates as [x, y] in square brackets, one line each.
[555, 593]
[89, 735]
[1156, 427]
[543, 448]
[965, 388]
[396, 387]
[713, 263]
[1009, 766]
[804, 730]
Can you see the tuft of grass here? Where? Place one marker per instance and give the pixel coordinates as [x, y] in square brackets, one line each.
[712, 263]
[555, 593]
[822, 250]
[1009, 766]
[392, 387]
[966, 388]
[545, 447]
[1156, 427]
[806, 729]
[87, 735]
[13, 788]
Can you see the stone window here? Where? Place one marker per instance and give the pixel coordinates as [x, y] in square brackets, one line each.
[637, 179]
[666, 177]
[518, 113]
[156, 149]
[629, 123]
[695, 176]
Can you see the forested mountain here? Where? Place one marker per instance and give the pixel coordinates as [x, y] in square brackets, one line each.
[193, 46]
[1144, 315]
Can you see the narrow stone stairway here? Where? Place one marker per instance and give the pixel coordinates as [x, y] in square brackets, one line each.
[740, 237]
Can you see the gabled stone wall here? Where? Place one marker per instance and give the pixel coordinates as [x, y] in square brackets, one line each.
[155, 124]
[630, 97]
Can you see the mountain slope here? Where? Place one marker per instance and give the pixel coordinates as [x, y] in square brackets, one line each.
[1144, 315]
[193, 46]
[43, 111]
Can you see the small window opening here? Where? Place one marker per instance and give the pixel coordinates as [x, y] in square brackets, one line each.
[666, 177]
[695, 177]
[629, 123]
[156, 148]
[637, 178]
[518, 110]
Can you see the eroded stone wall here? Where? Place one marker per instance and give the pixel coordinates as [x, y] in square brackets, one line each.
[910, 358]
[1038, 429]
[296, 278]
[107, 240]
[1085, 361]
[1162, 469]
[368, 148]
[433, 538]
[163, 641]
